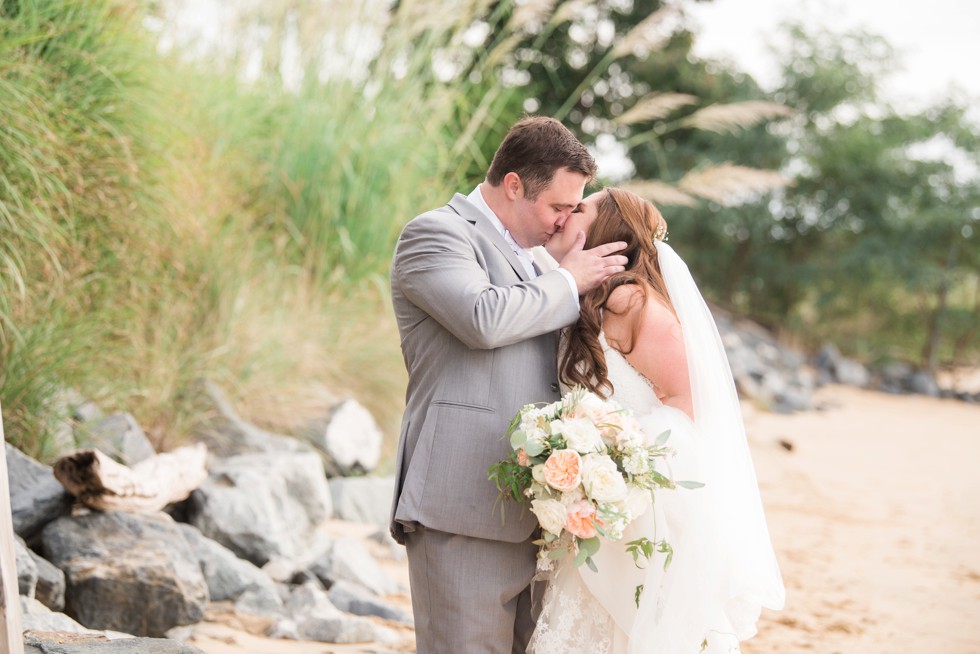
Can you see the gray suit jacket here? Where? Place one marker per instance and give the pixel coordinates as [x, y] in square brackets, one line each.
[479, 342]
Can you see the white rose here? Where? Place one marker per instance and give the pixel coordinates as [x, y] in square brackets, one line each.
[537, 473]
[602, 480]
[553, 408]
[637, 502]
[590, 406]
[551, 515]
[611, 425]
[581, 435]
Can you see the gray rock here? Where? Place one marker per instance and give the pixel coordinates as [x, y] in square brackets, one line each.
[226, 434]
[363, 499]
[923, 383]
[852, 373]
[119, 436]
[346, 560]
[894, 376]
[263, 506]
[87, 411]
[338, 629]
[117, 565]
[348, 438]
[68, 643]
[352, 598]
[764, 370]
[281, 570]
[26, 568]
[394, 549]
[36, 497]
[61, 433]
[180, 634]
[313, 617]
[37, 617]
[258, 601]
[50, 588]
[229, 577]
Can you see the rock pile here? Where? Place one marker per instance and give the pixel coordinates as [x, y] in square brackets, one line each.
[782, 379]
[249, 535]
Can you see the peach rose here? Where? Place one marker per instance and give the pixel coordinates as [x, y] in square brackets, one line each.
[563, 470]
[522, 458]
[580, 519]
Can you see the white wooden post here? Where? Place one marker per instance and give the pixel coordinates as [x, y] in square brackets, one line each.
[11, 635]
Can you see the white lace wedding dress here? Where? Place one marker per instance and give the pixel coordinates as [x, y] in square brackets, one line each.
[723, 569]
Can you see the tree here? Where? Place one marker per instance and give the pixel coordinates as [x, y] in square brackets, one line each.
[875, 242]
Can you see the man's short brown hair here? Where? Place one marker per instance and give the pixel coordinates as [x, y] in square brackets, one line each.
[535, 148]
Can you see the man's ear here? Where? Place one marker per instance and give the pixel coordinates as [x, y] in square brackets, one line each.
[513, 186]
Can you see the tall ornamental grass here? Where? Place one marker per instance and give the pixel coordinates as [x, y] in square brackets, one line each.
[74, 126]
[164, 221]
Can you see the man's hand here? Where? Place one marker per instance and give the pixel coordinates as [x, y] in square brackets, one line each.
[590, 268]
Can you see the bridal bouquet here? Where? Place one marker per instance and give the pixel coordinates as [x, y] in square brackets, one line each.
[587, 469]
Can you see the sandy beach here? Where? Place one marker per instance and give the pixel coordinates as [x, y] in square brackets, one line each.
[873, 503]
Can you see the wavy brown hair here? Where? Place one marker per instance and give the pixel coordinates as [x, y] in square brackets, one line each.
[621, 216]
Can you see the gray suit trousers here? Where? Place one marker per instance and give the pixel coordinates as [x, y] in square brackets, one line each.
[470, 595]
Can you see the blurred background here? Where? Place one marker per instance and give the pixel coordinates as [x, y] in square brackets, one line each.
[212, 189]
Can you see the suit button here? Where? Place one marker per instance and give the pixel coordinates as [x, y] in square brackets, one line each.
[554, 387]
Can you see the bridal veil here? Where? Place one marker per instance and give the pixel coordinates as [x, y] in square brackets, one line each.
[732, 566]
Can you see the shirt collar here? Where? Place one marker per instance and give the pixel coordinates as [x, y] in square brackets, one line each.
[476, 198]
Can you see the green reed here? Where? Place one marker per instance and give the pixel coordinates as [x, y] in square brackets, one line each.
[163, 222]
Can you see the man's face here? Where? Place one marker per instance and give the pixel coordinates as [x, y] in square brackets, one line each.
[580, 220]
[537, 220]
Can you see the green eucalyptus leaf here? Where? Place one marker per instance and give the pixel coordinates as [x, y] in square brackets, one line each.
[557, 553]
[533, 448]
[589, 545]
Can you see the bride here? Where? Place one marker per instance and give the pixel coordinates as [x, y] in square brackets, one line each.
[646, 339]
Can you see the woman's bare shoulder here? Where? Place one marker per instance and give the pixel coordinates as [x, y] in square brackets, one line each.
[641, 304]
[625, 299]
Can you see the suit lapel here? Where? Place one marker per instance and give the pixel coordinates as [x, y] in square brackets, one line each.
[466, 210]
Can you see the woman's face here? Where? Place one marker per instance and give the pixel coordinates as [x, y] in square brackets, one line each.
[580, 220]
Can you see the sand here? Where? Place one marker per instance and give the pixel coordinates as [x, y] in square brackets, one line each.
[874, 514]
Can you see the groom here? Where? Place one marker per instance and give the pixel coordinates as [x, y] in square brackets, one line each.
[478, 325]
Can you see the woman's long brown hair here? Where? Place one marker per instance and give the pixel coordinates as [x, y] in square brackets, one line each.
[621, 216]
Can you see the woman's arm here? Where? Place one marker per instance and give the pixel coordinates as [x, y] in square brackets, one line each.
[658, 351]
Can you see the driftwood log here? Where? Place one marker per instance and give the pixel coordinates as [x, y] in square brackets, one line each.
[100, 483]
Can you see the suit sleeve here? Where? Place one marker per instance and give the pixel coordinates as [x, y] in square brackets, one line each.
[437, 267]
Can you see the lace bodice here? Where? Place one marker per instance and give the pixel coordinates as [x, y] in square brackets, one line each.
[572, 622]
[630, 388]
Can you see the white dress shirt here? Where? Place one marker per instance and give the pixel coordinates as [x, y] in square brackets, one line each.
[525, 257]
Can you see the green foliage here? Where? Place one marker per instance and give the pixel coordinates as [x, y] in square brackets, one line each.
[74, 122]
[162, 223]
[873, 246]
[510, 478]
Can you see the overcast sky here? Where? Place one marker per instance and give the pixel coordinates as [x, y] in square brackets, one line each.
[939, 39]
